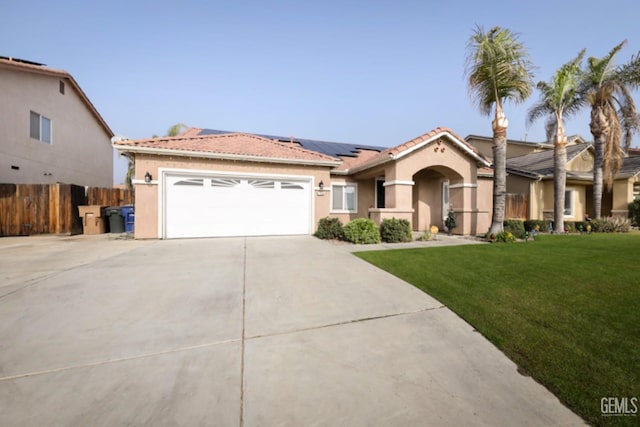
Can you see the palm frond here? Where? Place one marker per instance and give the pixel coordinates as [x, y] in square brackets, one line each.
[630, 72]
[599, 70]
[561, 96]
[498, 68]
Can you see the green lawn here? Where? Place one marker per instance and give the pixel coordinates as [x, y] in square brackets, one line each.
[565, 309]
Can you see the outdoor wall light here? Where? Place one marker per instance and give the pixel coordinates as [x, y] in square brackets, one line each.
[321, 185]
[147, 177]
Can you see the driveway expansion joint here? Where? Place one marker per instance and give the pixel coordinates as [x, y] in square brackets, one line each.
[117, 360]
[346, 322]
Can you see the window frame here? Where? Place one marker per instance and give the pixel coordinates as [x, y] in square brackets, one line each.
[344, 185]
[570, 196]
[41, 119]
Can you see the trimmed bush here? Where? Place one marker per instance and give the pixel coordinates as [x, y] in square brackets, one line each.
[362, 230]
[536, 224]
[515, 227]
[634, 212]
[329, 228]
[395, 230]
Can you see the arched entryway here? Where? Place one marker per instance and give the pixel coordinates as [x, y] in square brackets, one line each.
[436, 190]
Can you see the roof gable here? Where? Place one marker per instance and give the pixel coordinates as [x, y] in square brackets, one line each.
[399, 151]
[540, 164]
[35, 68]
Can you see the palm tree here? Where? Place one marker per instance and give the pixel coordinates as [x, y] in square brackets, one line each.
[176, 129]
[614, 117]
[559, 98]
[498, 69]
[131, 171]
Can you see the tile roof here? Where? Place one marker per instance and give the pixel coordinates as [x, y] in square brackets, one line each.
[243, 145]
[333, 149]
[630, 166]
[392, 152]
[35, 68]
[540, 164]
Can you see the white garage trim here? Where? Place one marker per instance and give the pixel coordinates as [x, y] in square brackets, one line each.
[242, 183]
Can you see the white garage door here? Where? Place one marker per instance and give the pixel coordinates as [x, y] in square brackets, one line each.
[214, 206]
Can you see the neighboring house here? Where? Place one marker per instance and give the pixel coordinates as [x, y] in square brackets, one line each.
[532, 175]
[49, 130]
[516, 148]
[207, 183]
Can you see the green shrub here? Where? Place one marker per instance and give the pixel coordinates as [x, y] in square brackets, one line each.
[515, 227]
[531, 224]
[362, 230]
[426, 236]
[611, 225]
[580, 226]
[395, 230]
[502, 237]
[329, 228]
[634, 212]
[569, 227]
[450, 221]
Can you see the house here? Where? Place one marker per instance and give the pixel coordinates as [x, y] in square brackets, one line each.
[206, 183]
[49, 130]
[530, 173]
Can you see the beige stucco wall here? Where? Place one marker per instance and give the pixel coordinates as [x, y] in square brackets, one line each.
[518, 184]
[147, 214]
[541, 201]
[80, 152]
[622, 196]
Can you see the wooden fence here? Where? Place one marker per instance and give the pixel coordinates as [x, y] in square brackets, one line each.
[516, 206]
[51, 208]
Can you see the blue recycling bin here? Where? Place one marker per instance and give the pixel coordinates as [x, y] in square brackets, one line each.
[129, 218]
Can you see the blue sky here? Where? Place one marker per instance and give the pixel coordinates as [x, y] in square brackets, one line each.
[368, 72]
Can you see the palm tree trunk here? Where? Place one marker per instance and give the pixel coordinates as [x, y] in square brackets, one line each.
[599, 129]
[598, 160]
[499, 172]
[559, 179]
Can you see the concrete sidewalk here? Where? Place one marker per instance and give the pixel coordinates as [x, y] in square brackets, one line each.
[242, 331]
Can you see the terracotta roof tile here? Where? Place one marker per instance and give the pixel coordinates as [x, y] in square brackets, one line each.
[239, 144]
[393, 151]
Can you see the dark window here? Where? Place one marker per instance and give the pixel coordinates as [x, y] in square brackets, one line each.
[61, 87]
[15, 168]
[380, 193]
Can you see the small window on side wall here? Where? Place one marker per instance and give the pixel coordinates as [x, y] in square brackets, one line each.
[61, 87]
[39, 127]
[569, 203]
[344, 197]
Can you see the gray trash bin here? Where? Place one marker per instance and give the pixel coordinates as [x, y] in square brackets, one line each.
[116, 220]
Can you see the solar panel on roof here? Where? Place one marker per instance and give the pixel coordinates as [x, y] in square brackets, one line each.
[333, 149]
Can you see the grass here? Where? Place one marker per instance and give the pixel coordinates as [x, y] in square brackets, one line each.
[565, 309]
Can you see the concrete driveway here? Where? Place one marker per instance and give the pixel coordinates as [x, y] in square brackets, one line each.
[244, 331]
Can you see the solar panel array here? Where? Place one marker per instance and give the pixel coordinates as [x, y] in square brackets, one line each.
[333, 149]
